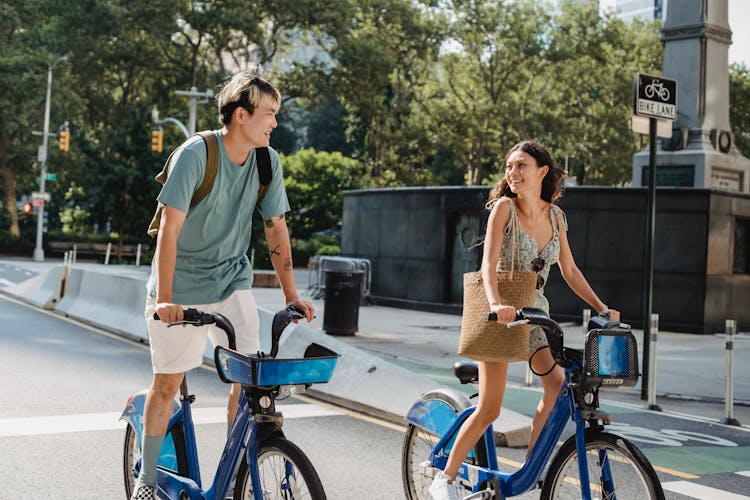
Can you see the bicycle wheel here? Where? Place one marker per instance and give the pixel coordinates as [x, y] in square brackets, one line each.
[131, 454]
[608, 456]
[418, 444]
[285, 472]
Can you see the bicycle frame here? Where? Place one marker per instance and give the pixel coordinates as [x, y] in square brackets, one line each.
[245, 433]
[522, 480]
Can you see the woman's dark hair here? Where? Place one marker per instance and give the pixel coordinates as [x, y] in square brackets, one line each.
[551, 187]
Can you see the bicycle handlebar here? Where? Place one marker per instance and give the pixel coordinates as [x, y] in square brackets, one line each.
[193, 317]
[280, 321]
[552, 330]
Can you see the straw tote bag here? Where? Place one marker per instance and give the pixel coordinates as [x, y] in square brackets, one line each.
[485, 340]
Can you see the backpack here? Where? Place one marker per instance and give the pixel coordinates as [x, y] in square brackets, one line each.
[265, 174]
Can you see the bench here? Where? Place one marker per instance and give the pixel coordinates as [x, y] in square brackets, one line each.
[85, 248]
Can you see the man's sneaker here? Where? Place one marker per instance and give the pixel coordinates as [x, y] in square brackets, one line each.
[441, 489]
[143, 492]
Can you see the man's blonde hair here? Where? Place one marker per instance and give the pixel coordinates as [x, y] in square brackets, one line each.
[245, 89]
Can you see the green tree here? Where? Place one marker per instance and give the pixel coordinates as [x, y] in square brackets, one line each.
[586, 98]
[315, 182]
[739, 106]
[475, 100]
[23, 79]
[378, 56]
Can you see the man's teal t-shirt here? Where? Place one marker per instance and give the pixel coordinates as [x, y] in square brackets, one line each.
[212, 244]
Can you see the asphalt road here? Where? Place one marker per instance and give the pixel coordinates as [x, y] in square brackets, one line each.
[63, 386]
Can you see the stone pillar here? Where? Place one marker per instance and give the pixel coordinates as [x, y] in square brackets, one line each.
[701, 152]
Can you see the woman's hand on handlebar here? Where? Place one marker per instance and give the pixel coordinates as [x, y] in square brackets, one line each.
[505, 314]
[304, 306]
[168, 312]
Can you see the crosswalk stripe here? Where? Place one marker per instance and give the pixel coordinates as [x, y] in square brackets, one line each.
[700, 491]
[59, 424]
[743, 473]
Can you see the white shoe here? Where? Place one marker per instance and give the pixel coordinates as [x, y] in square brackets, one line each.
[441, 489]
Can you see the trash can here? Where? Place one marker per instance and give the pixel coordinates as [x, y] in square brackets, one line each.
[342, 295]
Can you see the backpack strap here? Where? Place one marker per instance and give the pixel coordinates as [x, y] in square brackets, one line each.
[265, 174]
[212, 164]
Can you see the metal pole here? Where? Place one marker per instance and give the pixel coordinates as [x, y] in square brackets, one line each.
[75, 253]
[529, 375]
[38, 250]
[648, 268]
[652, 363]
[138, 255]
[106, 256]
[586, 319]
[193, 94]
[731, 330]
[191, 119]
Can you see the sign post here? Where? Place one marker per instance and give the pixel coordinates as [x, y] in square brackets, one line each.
[655, 98]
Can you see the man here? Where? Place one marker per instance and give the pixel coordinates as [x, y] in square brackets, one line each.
[201, 250]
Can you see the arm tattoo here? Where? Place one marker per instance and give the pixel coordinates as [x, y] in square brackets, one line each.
[271, 223]
[288, 264]
[275, 251]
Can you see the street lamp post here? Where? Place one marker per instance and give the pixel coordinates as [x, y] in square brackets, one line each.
[43, 150]
[194, 95]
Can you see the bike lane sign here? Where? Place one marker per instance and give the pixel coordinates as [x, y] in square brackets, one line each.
[655, 97]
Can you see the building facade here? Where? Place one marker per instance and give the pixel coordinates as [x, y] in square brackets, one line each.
[630, 9]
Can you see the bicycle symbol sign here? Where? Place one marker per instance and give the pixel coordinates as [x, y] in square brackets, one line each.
[655, 97]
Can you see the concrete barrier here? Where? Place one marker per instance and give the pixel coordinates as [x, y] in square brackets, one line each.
[43, 290]
[108, 301]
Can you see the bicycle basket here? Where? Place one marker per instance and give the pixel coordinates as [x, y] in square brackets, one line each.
[316, 368]
[610, 358]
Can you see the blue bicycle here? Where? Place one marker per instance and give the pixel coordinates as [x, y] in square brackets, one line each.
[264, 463]
[591, 464]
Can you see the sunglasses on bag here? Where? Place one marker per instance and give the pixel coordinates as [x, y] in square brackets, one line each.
[537, 265]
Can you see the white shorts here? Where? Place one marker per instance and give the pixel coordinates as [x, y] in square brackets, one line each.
[178, 349]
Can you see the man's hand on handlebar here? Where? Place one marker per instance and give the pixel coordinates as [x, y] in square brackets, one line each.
[305, 307]
[168, 312]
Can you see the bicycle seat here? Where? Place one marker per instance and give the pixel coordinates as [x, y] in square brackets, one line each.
[466, 371]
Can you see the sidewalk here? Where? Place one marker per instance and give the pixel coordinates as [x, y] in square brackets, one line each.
[690, 372]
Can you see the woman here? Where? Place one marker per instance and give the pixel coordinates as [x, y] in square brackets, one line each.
[526, 226]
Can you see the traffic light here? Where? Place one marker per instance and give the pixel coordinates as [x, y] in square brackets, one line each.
[157, 140]
[27, 208]
[63, 139]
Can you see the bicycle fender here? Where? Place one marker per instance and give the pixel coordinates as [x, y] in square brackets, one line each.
[436, 415]
[134, 408]
[133, 414]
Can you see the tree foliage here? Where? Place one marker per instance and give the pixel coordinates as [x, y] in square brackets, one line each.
[739, 106]
[412, 92]
[314, 183]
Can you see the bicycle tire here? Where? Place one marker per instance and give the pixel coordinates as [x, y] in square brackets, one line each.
[628, 465]
[131, 453]
[417, 447]
[274, 453]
